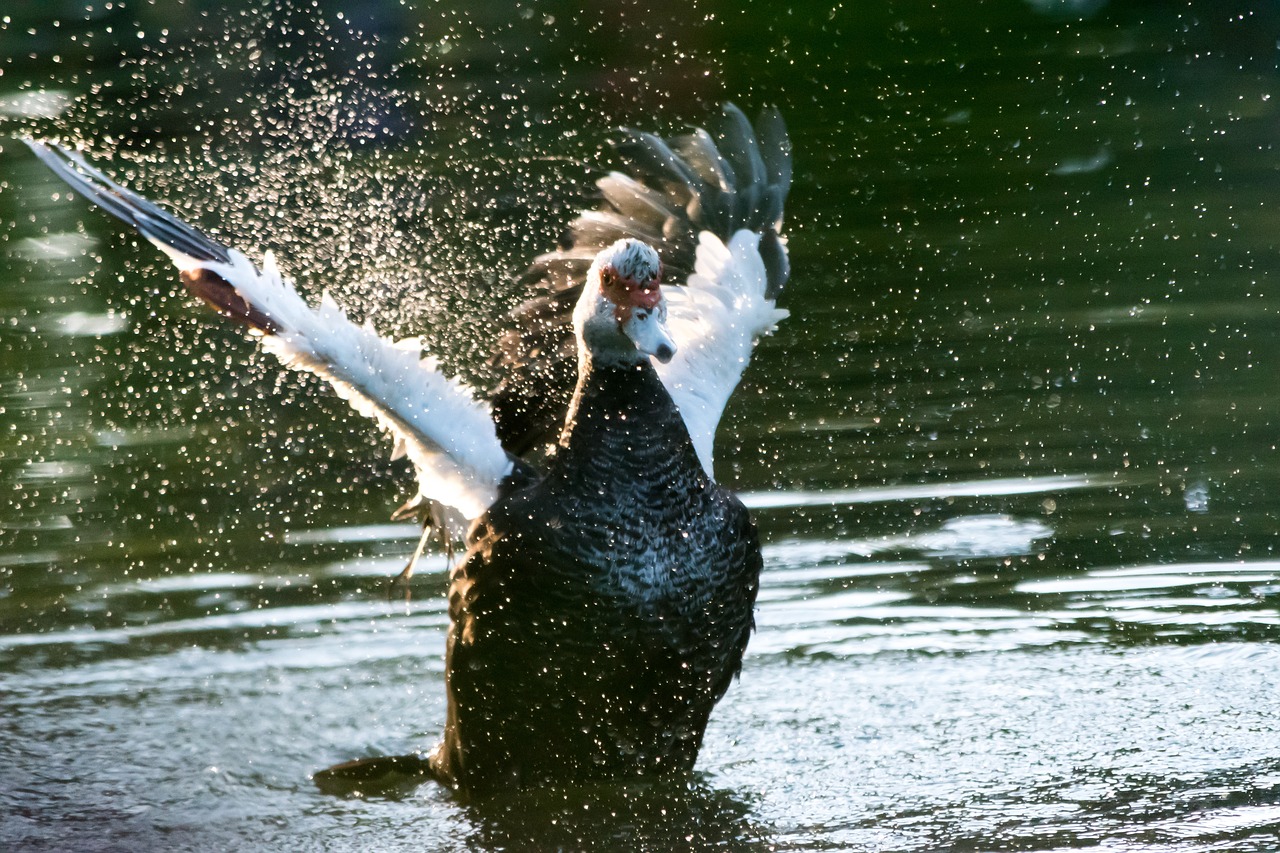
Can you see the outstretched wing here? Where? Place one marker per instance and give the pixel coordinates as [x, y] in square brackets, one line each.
[684, 196]
[437, 421]
[715, 319]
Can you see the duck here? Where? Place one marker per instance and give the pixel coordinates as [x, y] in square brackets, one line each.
[604, 601]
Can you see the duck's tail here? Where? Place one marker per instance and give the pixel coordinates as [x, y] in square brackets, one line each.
[383, 774]
[434, 419]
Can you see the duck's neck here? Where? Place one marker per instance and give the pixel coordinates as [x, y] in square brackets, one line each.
[622, 419]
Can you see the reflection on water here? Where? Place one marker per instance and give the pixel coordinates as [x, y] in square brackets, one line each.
[656, 817]
[1013, 458]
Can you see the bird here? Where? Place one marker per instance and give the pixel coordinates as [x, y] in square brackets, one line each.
[605, 598]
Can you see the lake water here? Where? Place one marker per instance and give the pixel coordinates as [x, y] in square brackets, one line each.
[1013, 457]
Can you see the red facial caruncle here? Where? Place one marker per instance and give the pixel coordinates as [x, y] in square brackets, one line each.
[628, 294]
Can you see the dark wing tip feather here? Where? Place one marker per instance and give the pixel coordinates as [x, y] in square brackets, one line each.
[150, 221]
[777, 265]
[741, 148]
[160, 226]
[775, 147]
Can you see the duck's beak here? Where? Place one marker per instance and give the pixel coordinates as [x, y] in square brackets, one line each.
[647, 329]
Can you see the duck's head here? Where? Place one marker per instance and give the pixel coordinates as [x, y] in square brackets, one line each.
[621, 317]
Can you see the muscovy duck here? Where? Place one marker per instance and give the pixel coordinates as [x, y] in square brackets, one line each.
[603, 605]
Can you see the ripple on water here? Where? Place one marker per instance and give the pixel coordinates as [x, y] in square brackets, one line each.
[978, 582]
[994, 487]
[967, 536]
[828, 599]
[1174, 598]
[1156, 577]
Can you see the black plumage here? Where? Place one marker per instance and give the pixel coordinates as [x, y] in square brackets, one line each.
[601, 612]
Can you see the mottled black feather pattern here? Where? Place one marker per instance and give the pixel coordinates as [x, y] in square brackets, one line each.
[601, 612]
[674, 190]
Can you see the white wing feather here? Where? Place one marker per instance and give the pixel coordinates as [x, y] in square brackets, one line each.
[715, 319]
[434, 419]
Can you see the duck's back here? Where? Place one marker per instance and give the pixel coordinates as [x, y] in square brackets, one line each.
[601, 612]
